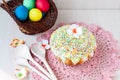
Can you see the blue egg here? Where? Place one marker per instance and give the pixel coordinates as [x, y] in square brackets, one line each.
[21, 12]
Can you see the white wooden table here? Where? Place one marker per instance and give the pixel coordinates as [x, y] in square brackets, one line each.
[105, 13]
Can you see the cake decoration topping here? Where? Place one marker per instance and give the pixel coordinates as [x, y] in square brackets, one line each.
[45, 44]
[73, 44]
[75, 30]
[21, 74]
[16, 42]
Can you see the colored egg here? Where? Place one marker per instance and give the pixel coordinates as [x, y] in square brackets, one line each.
[35, 14]
[43, 5]
[29, 4]
[21, 12]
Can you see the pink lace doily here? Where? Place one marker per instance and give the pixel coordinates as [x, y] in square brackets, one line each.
[101, 66]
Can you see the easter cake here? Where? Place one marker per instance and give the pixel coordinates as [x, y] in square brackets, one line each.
[73, 44]
[32, 16]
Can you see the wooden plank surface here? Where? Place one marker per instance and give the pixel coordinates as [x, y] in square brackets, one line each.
[87, 4]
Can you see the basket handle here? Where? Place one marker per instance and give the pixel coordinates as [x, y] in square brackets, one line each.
[5, 4]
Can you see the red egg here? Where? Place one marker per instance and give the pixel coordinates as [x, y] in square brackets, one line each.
[43, 5]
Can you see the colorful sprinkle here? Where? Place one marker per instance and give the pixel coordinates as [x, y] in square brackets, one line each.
[72, 42]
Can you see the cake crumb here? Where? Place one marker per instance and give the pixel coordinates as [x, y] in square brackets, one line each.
[21, 74]
[16, 42]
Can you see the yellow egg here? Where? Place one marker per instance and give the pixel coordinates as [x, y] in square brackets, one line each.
[35, 14]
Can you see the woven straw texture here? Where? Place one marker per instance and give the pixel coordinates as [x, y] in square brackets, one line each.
[29, 27]
[101, 66]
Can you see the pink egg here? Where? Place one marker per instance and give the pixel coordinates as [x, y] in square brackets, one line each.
[43, 5]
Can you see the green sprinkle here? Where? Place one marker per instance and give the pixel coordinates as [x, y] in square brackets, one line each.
[20, 75]
[16, 43]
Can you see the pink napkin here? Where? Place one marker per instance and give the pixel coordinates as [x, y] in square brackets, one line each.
[101, 66]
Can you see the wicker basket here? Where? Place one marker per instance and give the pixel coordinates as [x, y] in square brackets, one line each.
[29, 27]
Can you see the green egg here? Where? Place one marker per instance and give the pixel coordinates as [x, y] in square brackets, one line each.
[29, 4]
